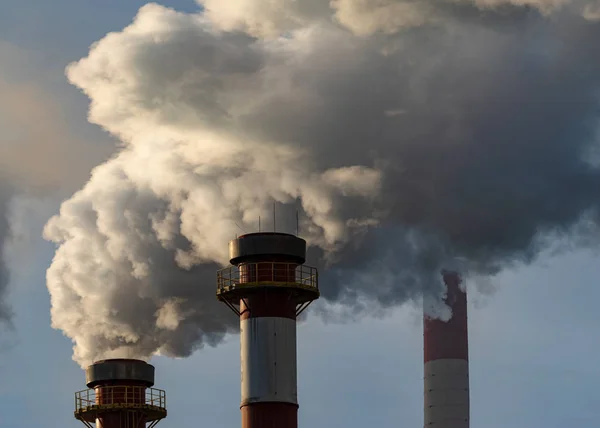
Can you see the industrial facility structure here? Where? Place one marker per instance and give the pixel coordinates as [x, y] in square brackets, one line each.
[446, 368]
[268, 286]
[120, 395]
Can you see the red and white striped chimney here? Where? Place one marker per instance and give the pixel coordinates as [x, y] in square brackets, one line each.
[446, 352]
[268, 286]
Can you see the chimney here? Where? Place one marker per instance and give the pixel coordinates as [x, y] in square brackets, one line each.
[446, 368]
[268, 286]
[120, 395]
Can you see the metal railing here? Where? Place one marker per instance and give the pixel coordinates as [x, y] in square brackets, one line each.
[122, 396]
[285, 274]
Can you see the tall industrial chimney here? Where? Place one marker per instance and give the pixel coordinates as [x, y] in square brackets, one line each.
[268, 286]
[446, 352]
[120, 395]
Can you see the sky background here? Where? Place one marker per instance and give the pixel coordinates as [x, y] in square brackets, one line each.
[533, 339]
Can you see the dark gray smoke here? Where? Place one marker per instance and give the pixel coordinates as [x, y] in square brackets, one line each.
[494, 146]
[466, 137]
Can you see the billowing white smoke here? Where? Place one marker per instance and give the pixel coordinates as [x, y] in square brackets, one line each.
[175, 195]
[396, 147]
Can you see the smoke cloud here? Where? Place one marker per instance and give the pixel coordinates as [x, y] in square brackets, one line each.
[430, 135]
[268, 19]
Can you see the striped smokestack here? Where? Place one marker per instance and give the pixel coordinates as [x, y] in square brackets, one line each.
[268, 286]
[446, 353]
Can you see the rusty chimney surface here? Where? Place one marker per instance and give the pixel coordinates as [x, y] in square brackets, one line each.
[268, 286]
[120, 395]
[446, 362]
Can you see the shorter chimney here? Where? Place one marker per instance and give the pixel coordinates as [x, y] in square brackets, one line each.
[120, 395]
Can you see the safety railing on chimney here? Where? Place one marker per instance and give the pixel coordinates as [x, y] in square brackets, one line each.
[267, 273]
[106, 398]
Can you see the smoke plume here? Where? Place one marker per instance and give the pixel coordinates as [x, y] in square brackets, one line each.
[421, 135]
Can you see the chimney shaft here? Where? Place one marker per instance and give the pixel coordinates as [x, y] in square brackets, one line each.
[446, 369]
[267, 287]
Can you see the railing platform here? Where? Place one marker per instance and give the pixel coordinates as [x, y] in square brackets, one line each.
[90, 403]
[236, 282]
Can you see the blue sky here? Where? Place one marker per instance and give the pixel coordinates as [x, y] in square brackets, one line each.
[533, 341]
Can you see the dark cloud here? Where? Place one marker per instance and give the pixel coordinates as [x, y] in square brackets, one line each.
[482, 135]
